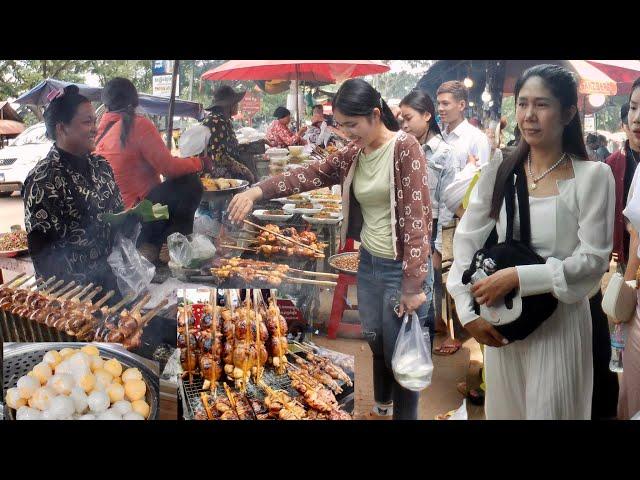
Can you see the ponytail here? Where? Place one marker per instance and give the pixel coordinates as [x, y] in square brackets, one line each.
[357, 98]
[128, 116]
[388, 118]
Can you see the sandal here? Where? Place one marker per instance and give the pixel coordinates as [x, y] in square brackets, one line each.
[445, 416]
[448, 347]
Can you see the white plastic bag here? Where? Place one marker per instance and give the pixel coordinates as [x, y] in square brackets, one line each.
[133, 272]
[191, 251]
[460, 413]
[454, 194]
[411, 362]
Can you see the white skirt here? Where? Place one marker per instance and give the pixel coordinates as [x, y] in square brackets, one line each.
[546, 376]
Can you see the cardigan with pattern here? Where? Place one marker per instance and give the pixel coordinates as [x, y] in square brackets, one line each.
[411, 212]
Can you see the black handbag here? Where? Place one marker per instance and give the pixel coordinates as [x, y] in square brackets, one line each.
[495, 256]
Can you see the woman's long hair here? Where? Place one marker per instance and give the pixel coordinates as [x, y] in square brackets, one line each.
[356, 98]
[422, 103]
[563, 86]
[120, 96]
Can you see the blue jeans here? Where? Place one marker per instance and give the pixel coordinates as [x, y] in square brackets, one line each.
[379, 289]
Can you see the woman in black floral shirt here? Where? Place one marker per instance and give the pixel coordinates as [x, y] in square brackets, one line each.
[66, 195]
[223, 145]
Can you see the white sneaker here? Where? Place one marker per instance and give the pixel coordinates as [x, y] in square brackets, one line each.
[383, 409]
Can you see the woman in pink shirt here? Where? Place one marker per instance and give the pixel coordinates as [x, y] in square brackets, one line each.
[138, 156]
[278, 133]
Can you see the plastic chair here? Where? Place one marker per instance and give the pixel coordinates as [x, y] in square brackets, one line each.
[339, 300]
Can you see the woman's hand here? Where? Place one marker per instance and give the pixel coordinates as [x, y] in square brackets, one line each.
[242, 203]
[302, 130]
[491, 289]
[485, 334]
[410, 302]
[207, 163]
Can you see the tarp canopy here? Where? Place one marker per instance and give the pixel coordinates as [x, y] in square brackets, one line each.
[149, 104]
[8, 113]
[11, 127]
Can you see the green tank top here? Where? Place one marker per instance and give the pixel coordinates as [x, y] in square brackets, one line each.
[372, 189]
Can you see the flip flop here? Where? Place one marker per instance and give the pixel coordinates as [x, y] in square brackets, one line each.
[445, 416]
[448, 349]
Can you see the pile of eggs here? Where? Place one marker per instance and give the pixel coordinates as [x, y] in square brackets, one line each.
[73, 384]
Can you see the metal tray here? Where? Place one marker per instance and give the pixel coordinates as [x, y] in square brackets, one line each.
[227, 191]
[339, 255]
[20, 358]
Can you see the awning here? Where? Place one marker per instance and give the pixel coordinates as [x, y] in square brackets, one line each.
[591, 80]
[11, 127]
[149, 104]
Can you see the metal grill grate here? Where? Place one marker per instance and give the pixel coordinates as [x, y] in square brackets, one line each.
[5, 162]
[193, 403]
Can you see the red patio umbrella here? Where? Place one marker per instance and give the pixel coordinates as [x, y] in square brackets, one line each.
[309, 70]
[624, 72]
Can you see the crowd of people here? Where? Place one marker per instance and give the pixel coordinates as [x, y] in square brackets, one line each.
[405, 174]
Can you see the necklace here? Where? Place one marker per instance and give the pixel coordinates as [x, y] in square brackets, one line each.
[535, 179]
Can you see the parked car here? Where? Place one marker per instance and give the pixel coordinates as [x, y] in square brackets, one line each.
[20, 156]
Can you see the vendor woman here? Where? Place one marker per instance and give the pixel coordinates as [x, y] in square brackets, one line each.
[135, 150]
[66, 195]
[278, 133]
[383, 175]
[222, 146]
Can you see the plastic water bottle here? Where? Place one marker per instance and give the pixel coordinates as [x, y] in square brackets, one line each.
[617, 347]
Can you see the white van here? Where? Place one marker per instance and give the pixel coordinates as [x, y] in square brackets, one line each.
[20, 156]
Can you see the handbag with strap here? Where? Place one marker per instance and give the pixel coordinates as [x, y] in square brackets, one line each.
[620, 299]
[515, 317]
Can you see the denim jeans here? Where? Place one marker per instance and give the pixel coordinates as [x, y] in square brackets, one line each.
[379, 287]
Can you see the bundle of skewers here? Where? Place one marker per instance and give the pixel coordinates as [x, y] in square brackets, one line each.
[48, 311]
[260, 272]
[273, 240]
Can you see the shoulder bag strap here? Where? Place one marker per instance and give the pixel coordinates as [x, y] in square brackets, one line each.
[106, 130]
[523, 206]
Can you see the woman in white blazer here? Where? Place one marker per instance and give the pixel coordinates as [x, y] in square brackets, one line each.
[549, 374]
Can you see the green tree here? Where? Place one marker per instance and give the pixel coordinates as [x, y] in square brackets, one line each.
[19, 76]
[138, 71]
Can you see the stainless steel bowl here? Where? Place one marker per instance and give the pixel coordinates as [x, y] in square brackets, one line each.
[20, 358]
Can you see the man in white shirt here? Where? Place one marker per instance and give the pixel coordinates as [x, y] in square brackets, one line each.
[469, 141]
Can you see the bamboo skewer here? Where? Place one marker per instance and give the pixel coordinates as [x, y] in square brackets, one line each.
[76, 298]
[95, 292]
[283, 237]
[235, 247]
[321, 283]
[121, 303]
[64, 290]
[315, 274]
[188, 309]
[101, 302]
[14, 279]
[146, 318]
[53, 287]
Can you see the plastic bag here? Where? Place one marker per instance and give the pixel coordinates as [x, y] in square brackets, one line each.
[460, 413]
[191, 251]
[133, 272]
[455, 192]
[411, 361]
[145, 210]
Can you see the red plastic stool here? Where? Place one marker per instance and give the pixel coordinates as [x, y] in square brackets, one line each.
[339, 300]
